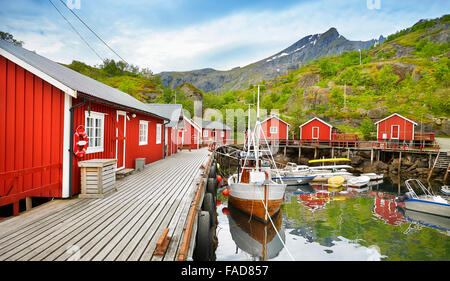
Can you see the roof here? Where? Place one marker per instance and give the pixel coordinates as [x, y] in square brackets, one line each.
[398, 116]
[193, 124]
[173, 112]
[215, 125]
[316, 118]
[275, 116]
[68, 80]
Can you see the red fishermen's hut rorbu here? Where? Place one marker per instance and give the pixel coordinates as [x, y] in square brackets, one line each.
[46, 108]
[275, 128]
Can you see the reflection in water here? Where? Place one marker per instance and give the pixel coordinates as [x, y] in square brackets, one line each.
[319, 224]
[258, 239]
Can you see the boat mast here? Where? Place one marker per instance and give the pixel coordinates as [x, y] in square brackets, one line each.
[256, 132]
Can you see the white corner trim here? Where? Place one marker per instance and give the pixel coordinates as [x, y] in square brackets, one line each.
[67, 157]
[38, 73]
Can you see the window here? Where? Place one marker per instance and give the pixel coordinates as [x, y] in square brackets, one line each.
[143, 132]
[315, 133]
[158, 133]
[205, 133]
[94, 122]
[222, 134]
[273, 130]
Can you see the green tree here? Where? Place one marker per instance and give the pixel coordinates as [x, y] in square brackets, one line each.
[10, 38]
[327, 68]
[367, 127]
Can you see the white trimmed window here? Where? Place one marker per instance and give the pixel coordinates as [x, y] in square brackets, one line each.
[273, 130]
[222, 134]
[143, 132]
[95, 127]
[205, 133]
[158, 133]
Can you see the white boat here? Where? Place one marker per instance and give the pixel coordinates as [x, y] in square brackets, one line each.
[357, 182]
[426, 203]
[445, 189]
[373, 176]
[252, 189]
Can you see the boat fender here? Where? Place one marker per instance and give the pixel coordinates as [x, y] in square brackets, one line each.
[404, 197]
[203, 244]
[209, 206]
[211, 185]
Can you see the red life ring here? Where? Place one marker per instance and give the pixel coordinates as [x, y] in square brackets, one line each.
[80, 142]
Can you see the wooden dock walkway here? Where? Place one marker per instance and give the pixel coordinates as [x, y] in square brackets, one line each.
[125, 225]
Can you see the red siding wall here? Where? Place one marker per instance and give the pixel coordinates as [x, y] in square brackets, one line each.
[133, 150]
[31, 135]
[191, 135]
[219, 138]
[282, 129]
[324, 131]
[406, 128]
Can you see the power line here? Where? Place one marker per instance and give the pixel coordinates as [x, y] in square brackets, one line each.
[76, 31]
[92, 31]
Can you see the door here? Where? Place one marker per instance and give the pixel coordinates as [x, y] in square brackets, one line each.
[121, 131]
[315, 133]
[395, 132]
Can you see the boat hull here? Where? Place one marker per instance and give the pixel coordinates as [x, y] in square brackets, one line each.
[251, 198]
[428, 207]
[295, 180]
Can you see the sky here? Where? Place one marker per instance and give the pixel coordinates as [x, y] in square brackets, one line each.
[179, 35]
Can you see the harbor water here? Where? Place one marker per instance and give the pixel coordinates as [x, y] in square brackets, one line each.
[317, 224]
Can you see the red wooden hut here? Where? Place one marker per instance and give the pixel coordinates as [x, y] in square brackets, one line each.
[215, 131]
[190, 136]
[316, 129]
[395, 127]
[42, 104]
[275, 128]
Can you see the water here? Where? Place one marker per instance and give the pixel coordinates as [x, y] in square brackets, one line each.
[317, 225]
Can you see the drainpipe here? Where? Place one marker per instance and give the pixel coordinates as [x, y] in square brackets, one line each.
[164, 142]
[71, 145]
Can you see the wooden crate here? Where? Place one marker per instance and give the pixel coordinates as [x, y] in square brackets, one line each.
[98, 177]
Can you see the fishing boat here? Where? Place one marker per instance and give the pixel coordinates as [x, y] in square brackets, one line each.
[302, 174]
[252, 189]
[445, 189]
[426, 203]
[357, 182]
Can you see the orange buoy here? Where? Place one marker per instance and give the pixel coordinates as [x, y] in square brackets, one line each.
[219, 178]
[225, 211]
[225, 192]
[219, 202]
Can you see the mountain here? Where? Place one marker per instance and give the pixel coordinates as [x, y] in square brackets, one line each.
[298, 54]
[408, 73]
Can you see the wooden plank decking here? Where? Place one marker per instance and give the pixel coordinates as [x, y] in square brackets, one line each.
[123, 226]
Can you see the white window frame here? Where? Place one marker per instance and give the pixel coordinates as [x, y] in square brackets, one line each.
[143, 132]
[318, 133]
[222, 134]
[100, 116]
[158, 133]
[273, 129]
[205, 133]
[398, 132]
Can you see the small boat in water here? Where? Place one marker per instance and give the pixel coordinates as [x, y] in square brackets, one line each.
[426, 203]
[445, 189]
[373, 176]
[356, 182]
[253, 189]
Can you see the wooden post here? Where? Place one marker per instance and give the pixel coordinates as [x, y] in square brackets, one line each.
[348, 152]
[332, 152]
[299, 152]
[315, 153]
[371, 156]
[28, 203]
[378, 155]
[285, 150]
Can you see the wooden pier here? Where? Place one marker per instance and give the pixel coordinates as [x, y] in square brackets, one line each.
[146, 219]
